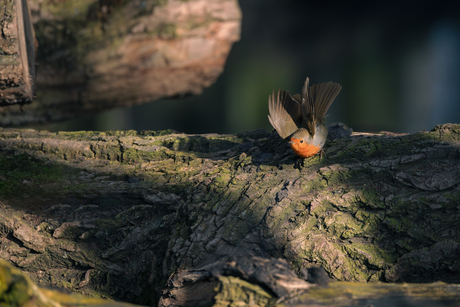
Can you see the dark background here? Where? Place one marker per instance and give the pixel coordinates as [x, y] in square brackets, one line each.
[398, 63]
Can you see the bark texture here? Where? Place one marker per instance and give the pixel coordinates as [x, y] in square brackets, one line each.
[16, 289]
[17, 53]
[226, 284]
[116, 213]
[96, 55]
[269, 282]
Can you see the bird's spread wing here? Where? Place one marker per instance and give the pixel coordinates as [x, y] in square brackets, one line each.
[308, 108]
[322, 96]
[285, 115]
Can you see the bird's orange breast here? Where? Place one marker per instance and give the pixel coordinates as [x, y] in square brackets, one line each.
[304, 150]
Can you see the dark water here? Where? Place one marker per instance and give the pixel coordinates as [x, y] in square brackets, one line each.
[398, 63]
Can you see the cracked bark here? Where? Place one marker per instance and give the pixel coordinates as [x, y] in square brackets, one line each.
[116, 213]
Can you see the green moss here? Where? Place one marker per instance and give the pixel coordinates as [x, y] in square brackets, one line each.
[381, 294]
[95, 135]
[335, 176]
[156, 133]
[22, 174]
[310, 223]
[220, 201]
[353, 272]
[221, 181]
[132, 155]
[200, 144]
[398, 224]
[342, 225]
[279, 218]
[370, 199]
[233, 291]
[312, 186]
[370, 253]
[446, 132]
[68, 9]
[77, 135]
[327, 254]
[321, 209]
[370, 221]
[15, 289]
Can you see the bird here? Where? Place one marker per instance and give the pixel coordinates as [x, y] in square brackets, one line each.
[302, 118]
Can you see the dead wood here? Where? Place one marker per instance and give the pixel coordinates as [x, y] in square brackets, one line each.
[255, 281]
[245, 281]
[17, 53]
[117, 213]
[96, 55]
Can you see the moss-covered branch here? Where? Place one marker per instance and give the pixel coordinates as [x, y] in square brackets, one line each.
[116, 213]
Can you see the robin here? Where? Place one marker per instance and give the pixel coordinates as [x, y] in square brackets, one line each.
[303, 117]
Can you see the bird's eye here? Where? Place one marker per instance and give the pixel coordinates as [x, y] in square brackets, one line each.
[301, 141]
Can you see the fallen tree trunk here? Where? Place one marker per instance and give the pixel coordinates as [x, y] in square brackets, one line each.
[116, 213]
[218, 286]
[269, 282]
[96, 55]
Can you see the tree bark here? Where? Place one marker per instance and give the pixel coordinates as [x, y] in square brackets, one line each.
[270, 282]
[244, 282]
[116, 213]
[16, 289]
[96, 55]
[17, 56]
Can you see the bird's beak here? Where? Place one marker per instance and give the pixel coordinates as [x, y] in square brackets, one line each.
[291, 142]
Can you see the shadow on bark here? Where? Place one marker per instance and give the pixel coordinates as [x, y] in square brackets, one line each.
[116, 213]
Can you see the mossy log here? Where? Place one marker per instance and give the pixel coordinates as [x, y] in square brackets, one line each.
[201, 288]
[101, 54]
[234, 291]
[17, 290]
[17, 53]
[116, 213]
[254, 281]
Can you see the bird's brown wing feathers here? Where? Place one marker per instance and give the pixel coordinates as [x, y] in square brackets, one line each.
[322, 96]
[308, 108]
[285, 115]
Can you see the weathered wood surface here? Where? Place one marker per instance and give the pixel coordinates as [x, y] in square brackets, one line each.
[116, 213]
[17, 53]
[96, 55]
[243, 282]
[16, 289]
[258, 281]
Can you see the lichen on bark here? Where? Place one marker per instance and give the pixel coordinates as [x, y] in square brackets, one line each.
[119, 212]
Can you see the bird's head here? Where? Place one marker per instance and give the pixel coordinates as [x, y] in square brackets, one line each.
[301, 144]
